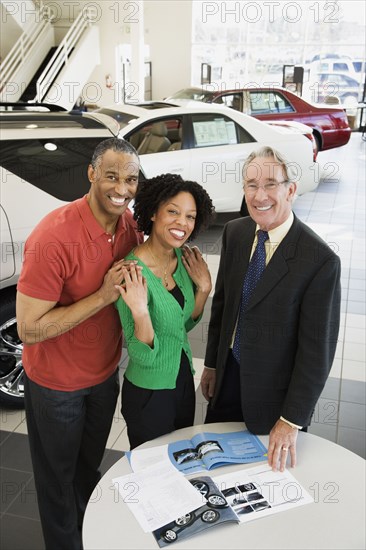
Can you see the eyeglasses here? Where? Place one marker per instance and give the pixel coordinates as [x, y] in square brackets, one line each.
[252, 188]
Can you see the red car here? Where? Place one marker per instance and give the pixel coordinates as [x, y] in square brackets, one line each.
[329, 122]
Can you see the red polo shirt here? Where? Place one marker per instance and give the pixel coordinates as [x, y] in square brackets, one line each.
[65, 259]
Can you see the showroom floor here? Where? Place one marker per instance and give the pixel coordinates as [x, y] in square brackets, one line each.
[336, 210]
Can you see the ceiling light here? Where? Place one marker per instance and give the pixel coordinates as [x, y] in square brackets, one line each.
[50, 146]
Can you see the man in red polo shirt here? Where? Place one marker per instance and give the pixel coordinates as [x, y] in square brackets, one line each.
[72, 337]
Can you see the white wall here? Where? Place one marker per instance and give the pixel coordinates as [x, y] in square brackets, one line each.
[168, 31]
[9, 32]
[21, 12]
[110, 23]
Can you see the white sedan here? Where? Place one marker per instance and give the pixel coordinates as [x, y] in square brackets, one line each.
[209, 144]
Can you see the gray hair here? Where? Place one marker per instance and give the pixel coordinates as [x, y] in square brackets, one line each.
[115, 144]
[289, 169]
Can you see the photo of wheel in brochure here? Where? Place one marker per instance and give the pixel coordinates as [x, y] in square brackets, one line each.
[208, 450]
[214, 511]
[185, 455]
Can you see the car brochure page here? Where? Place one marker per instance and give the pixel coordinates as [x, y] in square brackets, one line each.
[210, 450]
[257, 492]
[213, 511]
[151, 495]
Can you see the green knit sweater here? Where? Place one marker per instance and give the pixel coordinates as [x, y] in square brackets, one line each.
[157, 367]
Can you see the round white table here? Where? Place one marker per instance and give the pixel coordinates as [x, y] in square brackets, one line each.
[334, 477]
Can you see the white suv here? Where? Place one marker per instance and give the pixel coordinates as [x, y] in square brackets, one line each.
[43, 163]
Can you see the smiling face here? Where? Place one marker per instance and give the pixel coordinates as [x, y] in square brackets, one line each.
[175, 220]
[268, 208]
[113, 185]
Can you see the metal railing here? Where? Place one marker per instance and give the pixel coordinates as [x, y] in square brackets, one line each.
[33, 33]
[21, 49]
[62, 55]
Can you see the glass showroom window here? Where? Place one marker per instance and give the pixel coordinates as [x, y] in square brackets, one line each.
[249, 42]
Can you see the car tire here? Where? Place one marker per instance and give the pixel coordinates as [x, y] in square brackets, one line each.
[11, 347]
[210, 516]
[201, 487]
[184, 520]
[216, 501]
[169, 535]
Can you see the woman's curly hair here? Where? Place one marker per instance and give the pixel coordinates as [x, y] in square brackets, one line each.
[152, 193]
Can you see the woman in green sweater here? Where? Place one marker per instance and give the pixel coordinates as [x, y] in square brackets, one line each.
[162, 298]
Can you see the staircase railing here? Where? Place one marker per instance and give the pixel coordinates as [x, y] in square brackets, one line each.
[61, 56]
[22, 47]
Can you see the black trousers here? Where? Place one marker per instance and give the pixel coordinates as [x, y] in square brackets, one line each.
[152, 413]
[68, 433]
[228, 404]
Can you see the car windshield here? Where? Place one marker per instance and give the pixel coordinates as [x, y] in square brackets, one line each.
[195, 94]
[122, 118]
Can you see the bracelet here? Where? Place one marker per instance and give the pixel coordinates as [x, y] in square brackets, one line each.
[293, 426]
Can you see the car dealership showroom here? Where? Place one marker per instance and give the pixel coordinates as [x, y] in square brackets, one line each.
[195, 87]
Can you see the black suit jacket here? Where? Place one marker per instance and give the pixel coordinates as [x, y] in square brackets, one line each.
[290, 329]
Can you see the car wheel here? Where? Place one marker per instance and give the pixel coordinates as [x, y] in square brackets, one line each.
[210, 516]
[201, 487]
[217, 501]
[11, 347]
[185, 520]
[170, 535]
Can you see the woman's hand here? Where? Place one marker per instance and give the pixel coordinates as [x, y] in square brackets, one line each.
[133, 289]
[197, 268]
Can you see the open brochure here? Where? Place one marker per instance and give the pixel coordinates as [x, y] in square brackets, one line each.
[236, 497]
[211, 450]
[203, 452]
[204, 502]
[213, 511]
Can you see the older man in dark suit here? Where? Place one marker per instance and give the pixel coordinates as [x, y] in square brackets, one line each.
[275, 313]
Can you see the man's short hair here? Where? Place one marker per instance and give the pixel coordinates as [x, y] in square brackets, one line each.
[116, 144]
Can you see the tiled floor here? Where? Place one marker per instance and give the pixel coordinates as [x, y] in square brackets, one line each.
[336, 210]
